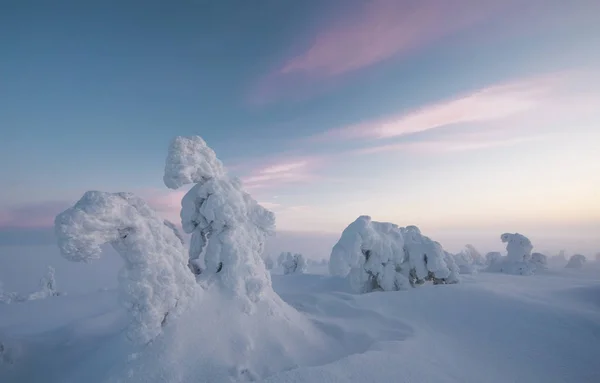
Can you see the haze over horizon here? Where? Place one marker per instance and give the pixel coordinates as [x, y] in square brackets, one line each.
[466, 119]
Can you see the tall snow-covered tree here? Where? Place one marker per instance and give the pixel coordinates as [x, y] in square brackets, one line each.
[47, 286]
[155, 283]
[228, 228]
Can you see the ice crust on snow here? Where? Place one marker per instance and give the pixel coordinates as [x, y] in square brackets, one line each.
[293, 263]
[155, 282]
[227, 226]
[382, 256]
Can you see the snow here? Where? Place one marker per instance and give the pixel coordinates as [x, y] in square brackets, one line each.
[155, 282]
[490, 328]
[228, 227]
[382, 256]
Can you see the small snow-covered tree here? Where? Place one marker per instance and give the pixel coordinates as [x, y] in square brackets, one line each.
[539, 260]
[155, 282]
[47, 286]
[597, 257]
[576, 261]
[293, 263]
[383, 256]
[493, 258]
[269, 262]
[228, 228]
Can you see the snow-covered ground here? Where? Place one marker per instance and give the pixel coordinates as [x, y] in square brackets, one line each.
[488, 328]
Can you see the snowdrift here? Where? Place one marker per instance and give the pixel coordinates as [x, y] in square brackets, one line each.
[383, 256]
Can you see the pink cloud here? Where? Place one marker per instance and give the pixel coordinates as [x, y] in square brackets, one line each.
[281, 172]
[488, 104]
[381, 29]
[361, 34]
[457, 144]
[31, 216]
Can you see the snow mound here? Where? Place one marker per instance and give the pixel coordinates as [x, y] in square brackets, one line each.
[293, 263]
[576, 261]
[227, 226]
[155, 282]
[382, 256]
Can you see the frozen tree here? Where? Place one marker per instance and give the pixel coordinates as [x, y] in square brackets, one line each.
[47, 286]
[475, 255]
[576, 261]
[154, 283]
[597, 257]
[539, 260]
[465, 261]
[228, 228]
[493, 258]
[269, 262]
[519, 259]
[383, 256]
[293, 263]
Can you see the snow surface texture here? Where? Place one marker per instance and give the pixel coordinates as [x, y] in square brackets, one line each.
[292, 263]
[393, 337]
[576, 262]
[226, 225]
[519, 260]
[383, 256]
[155, 282]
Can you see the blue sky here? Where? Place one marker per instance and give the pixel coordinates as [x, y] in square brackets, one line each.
[470, 115]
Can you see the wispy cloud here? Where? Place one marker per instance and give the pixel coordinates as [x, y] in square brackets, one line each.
[30, 216]
[281, 172]
[378, 30]
[364, 33]
[488, 104]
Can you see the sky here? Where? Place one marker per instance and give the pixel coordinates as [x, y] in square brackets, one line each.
[467, 118]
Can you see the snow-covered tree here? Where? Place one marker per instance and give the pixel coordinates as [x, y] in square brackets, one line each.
[576, 261]
[228, 228]
[519, 259]
[293, 263]
[597, 257]
[269, 262]
[539, 260]
[155, 282]
[465, 261]
[475, 255]
[47, 286]
[383, 256]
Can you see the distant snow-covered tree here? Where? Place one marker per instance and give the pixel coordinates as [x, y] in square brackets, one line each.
[155, 282]
[293, 263]
[539, 260]
[47, 286]
[228, 227]
[475, 255]
[383, 256]
[597, 257]
[519, 259]
[576, 261]
[269, 262]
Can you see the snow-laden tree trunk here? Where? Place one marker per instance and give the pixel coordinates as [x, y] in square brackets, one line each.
[155, 282]
[228, 227]
[383, 256]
